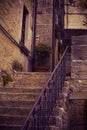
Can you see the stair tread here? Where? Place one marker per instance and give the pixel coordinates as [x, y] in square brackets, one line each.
[15, 110]
[13, 125]
[79, 95]
[27, 108]
[12, 120]
[27, 100]
[17, 93]
[16, 103]
[12, 116]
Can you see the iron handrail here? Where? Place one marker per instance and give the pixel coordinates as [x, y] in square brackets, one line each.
[58, 76]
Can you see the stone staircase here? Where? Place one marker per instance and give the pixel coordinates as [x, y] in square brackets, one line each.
[70, 115]
[18, 98]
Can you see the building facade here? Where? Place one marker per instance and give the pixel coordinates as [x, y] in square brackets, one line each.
[15, 34]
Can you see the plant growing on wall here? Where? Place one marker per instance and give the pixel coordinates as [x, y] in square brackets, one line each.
[6, 77]
[16, 65]
[43, 50]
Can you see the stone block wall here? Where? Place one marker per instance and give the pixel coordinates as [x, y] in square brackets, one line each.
[44, 22]
[60, 115]
[74, 16]
[9, 53]
[44, 26]
[11, 13]
[77, 114]
[79, 63]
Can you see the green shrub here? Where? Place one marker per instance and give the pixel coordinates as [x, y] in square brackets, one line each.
[6, 77]
[43, 49]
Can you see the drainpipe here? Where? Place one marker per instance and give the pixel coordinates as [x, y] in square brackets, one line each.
[34, 34]
[61, 21]
[53, 36]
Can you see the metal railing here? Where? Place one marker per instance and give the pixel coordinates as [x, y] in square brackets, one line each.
[43, 107]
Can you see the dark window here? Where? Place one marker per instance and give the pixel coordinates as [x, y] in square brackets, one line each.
[25, 13]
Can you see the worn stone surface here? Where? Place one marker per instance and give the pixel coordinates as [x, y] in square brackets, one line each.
[11, 18]
[74, 16]
[11, 14]
[60, 118]
[44, 22]
[76, 114]
[17, 100]
[79, 63]
[44, 26]
[9, 53]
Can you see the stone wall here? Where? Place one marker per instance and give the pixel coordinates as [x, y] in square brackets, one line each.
[74, 16]
[79, 63]
[44, 25]
[60, 116]
[11, 13]
[9, 53]
[44, 22]
[77, 114]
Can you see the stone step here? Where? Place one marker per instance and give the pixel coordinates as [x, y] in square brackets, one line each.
[20, 89]
[18, 96]
[29, 82]
[10, 127]
[10, 119]
[31, 73]
[17, 103]
[31, 78]
[32, 85]
[84, 90]
[19, 111]
[52, 127]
